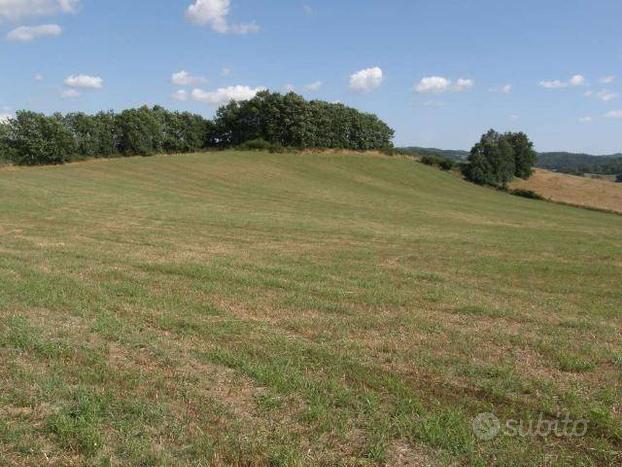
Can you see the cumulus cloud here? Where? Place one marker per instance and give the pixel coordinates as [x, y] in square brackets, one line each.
[17, 9]
[606, 95]
[553, 84]
[214, 13]
[84, 82]
[5, 117]
[463, 84]
[367, 79]
[608, 79]
[440, 84]
[30, 33]
[435, 84]
[314, 87]
[503, 89]
[225, 95]
[577, 80]
[614, 114]
[70, 94]
[574, 81]
[586, 119]
[180, 95]
[183, 78]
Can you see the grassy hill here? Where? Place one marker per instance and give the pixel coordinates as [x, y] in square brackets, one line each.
[249, 309]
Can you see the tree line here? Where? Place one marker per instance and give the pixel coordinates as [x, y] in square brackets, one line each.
[284, 120]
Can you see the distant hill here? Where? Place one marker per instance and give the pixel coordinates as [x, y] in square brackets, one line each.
[566, 162]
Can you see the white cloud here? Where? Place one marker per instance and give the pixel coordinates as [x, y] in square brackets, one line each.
[183, 78]
[70, 94]
[435, 84]
[30, 33]
[367, 79]
[180, 95]
[608, 79]
[586, 119]
[606, 95]
[314, 87]
[614, 114]
[463, 84]
[5, 117]
[589, 93]
[503, 89]
[513, 117]
[16, 9]
[214, 13]
[554, 84]
[225, 95]
[84, 82]
[440, 84]
[39, 77]
[577, 80]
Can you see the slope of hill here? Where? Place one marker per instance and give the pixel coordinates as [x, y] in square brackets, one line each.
[254, 309]
[578, 191]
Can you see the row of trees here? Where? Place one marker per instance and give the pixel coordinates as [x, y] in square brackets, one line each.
[498, 158]
[290, 120]
[287, 120]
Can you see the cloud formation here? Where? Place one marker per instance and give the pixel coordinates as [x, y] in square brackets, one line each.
[223, 96]
[214, 13]
[14, 10]
[183, 78]
[84, 82]
[574, 81]
[314, 87]
[30, 33]
[367, 79]
[608, 79]
[440, 84]
[180, 95]
[614, 114]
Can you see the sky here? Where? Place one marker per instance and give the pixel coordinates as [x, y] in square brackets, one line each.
[440, 72]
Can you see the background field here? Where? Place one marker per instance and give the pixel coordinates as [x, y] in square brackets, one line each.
[238, 308]
[571, 189]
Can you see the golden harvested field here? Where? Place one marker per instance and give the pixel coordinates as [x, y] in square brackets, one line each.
[574, 190]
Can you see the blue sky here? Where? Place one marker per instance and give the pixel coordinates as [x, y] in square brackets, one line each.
[440, 72]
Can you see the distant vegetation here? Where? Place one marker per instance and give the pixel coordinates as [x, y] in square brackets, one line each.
[565, 162]
[580, 164]
[268, 121]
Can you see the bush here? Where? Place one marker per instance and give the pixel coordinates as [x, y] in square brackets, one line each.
[440, 162]
[527, 194]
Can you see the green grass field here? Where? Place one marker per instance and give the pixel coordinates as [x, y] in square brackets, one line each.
[252, 309]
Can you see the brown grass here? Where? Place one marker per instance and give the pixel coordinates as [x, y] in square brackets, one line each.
[574, 190]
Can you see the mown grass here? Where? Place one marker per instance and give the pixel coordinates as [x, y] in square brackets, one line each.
[255, 309]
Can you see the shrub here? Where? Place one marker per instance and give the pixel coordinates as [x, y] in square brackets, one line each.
[440, 162]
[527, 194]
